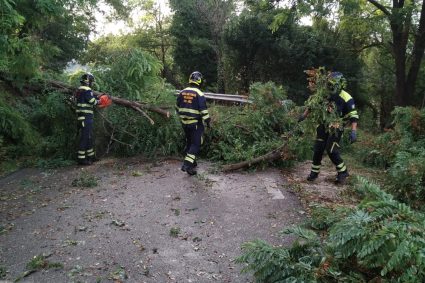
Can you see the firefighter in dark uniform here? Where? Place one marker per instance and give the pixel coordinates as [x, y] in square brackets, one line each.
[192, 110]
[86, 101]
[325, 140]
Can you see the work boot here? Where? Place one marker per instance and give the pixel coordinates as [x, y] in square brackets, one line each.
[341, 178]
[93, 159]
[188, 169]
[191, 171]
[84, 162]
[313, 176]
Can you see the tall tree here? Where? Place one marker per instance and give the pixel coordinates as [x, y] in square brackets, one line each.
[407, 21]
[216, 14]
[153, 34]
[260, 51]
[40, 35]
[198, 30]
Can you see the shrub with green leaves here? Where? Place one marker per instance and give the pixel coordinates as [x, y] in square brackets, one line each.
[382, 234]
[248, 131]
[277, 264]
[380, 240]
[402, 149]
[17, 135]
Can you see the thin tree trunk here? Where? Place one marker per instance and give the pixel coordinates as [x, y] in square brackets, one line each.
[417, 55]
[120, 101]
[272, 155]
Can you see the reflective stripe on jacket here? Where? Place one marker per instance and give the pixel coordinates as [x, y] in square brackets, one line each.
[345, 106]
[85, 102]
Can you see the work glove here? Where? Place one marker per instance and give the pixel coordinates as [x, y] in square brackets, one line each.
[208, 122]
[353, 136]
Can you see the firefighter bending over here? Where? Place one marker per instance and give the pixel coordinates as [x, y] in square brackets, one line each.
[325, 140]
[192, 110]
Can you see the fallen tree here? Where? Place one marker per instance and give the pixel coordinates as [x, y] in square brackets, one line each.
[135, 105]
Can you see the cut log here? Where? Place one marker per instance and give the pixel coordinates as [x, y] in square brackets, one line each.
[271, 156]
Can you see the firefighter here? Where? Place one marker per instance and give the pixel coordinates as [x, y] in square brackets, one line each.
[329, 140]
[192, 110]
[86, 101]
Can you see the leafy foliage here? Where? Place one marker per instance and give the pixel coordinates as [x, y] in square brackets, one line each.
[321, 111]
[402, 150]
[131, 74]
[252, 130]
[381, 239]
[16, 134]
[256, 53]
[382, 234]
[193, 41]
[277, 264]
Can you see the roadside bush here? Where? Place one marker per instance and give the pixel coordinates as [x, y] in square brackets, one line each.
[17, 136]
[378, 151]
[381, 240]
[402, 151]
[56, 123]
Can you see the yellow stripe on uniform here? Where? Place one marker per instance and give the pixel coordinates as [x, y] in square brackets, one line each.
[345, 96]
[341, 167]
[188, 110]
[190, 158]
[84, 105]
[200, 93]
[84, 111]
[187, 122]
[315, 168]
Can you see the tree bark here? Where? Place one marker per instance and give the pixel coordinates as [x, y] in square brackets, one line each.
[401, 24]
[417, 55]
[272, 155]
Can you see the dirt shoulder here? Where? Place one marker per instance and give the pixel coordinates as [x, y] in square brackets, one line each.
[142, 222]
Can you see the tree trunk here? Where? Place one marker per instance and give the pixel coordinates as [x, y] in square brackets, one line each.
[417, 55]
[272, 155]
[400, 18]
[400, 30]
[120, 101]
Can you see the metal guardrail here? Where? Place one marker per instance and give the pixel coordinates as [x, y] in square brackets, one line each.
[225, 97]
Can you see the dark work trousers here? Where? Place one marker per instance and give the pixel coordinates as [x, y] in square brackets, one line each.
[193, 134]
[329, 142]
[85, 148]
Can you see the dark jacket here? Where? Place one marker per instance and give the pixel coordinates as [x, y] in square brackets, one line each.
[192, 107]
[85, 102]
[345, 106]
